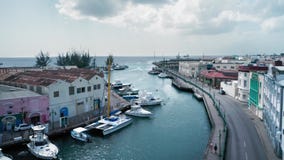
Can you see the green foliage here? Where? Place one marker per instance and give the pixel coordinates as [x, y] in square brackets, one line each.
[109, 60]
[81, 59]
[42, 59]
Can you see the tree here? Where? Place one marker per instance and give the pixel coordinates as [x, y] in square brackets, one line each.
[81, 59]
[42, 60]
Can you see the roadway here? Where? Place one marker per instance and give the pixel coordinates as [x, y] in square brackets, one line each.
[243, 141]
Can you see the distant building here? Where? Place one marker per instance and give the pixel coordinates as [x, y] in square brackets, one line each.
[214, 78]
[192, 68]
[244, 80]
[226, 66]
[19, 105]
[230, 88]
[71, 92]
[273, 92]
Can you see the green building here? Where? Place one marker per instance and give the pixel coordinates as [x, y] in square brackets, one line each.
[255, 102]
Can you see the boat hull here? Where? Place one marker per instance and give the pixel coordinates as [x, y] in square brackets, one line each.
[113, 129]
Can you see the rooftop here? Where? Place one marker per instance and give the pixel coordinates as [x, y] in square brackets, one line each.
[47, 77]
[8, 92]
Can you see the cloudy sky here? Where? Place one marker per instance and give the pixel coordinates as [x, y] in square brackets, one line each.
[141, 27]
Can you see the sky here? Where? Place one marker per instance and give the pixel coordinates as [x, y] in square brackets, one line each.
[141, 27]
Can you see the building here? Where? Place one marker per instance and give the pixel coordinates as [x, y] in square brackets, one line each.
[226, 66]
[71, 92]
[230, 88]
[214, 78]
[19, 105]
[244, 80]
[193, 67]
[273, 105]
[255, 101]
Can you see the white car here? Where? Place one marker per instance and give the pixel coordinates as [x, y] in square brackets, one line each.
[22, 127]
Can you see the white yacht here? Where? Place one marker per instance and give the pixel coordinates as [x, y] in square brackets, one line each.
[137, 110]
[149, 99]
[40, 146]
[4, 156]
[118, 84]
[79, 133]
[111, 123]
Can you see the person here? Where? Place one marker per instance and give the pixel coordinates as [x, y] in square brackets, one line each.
[211, 147]
[215, 148]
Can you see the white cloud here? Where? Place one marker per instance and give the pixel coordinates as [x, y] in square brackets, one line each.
[179, 16]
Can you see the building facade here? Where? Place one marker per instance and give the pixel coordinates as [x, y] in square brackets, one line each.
[273, 106]
[19, 105]
[71, 92]
[255, 101]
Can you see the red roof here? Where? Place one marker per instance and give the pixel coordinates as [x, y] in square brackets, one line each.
[216, 74]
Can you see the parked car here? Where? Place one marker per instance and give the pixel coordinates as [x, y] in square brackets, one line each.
[222, 91]
[22, 127]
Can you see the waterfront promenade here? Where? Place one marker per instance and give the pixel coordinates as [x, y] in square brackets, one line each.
[219, 131]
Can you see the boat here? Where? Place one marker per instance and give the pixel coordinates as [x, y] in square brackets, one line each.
[138, 111]
[149, 99]
[118, 84]
[40, 146]
[155, 71]
[79, 133]
[130, 97]
[111, 123]
[163, 75]
[4, 156]
[127, 90]
[119, 67]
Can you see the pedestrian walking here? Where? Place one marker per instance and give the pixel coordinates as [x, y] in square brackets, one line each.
[215, 148]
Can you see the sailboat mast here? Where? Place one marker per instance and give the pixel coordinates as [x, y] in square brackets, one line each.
[108, 91]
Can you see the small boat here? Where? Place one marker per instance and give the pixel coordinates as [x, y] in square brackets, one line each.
[4, 156]
[119, 67]
[149, 100]
[118, 84]
[163, 75]
[137, 110]
[127, 90]
[79, 134]
[39, 144]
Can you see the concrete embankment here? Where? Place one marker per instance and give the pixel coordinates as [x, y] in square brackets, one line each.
[219, 132]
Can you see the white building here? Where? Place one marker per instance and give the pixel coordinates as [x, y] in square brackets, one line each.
[192, 68]
[226, 66]
[71, 92]
[230, 88]
[273, 106]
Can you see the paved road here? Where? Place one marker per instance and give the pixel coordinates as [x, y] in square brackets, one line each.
[244, 142]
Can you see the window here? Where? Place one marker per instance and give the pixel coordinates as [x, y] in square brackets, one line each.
[32, 88]
[225, 67]
[99, 86]
[95, 87]
[245, 83]
[244, 96]
[71, 90]
[83, 89]
[193, 68]
[56, 94]
[245, 74]
[79, 90]
[89, 88]
[232, 67]
[218, 66]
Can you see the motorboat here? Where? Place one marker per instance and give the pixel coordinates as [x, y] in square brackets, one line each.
[119, 67]
[130, 97]
[163, 75]
[137, 110]
[4, 156]
[149, 99]
[118, 84]
[111, 123]
[79, 133]
[127, 90]
[155, 71]
[39, 144]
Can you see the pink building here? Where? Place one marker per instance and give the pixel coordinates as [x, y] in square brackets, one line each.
[19, 105]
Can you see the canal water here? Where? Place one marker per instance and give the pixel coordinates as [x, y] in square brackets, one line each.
[179, 128]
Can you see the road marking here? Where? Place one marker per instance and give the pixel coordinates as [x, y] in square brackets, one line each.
[246, 155]
[245, 144]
